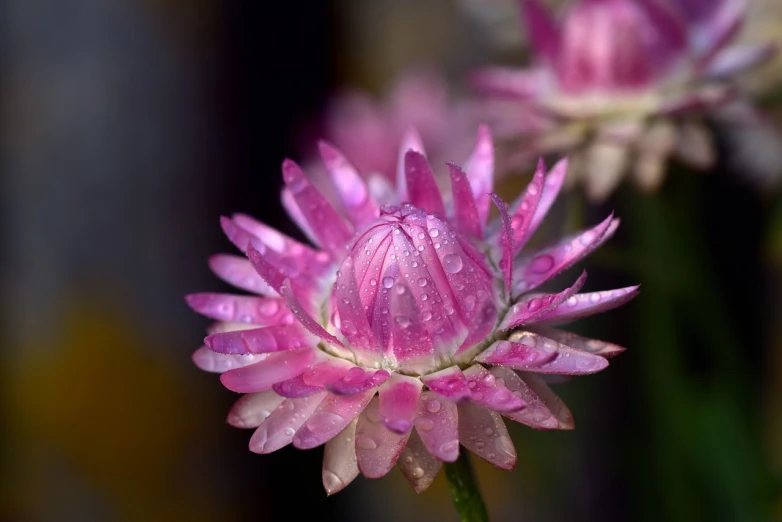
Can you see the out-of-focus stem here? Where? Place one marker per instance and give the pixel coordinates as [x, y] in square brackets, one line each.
[464, 490]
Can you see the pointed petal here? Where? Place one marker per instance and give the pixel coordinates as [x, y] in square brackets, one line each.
[358, 380]
[583, 305]
[518, 355]
[253, 408]
[339, 460]
[506, 263]
[238, 271]
[303, 317]
[278, 429]
[377, 448]
[480, 172]
[326, 224]
[269, 339]
[720, 28]
[449, 383]
[489, 393]
[268, 272]
[331, 417]
[422, 190]
[354, 324]
[465, 209]
[360, 206]
[263, 311]
[411, 140]
[296, 388]
[736, 59]
[524, 211]
[544, 411]
[209, 361]
[551, 187]
[542, 29]
[566, 360]
[438, 426]
[540, 266]
[292, 208]
[398, 404]
[483, 432]
[577, 342]
[531, 309]
[419, 466]
[276, 367]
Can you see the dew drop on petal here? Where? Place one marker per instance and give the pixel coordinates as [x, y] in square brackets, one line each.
[453, 263]
[388, 282]
[542, 263]
[433, 406]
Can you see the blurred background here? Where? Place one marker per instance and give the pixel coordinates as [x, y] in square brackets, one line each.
[129, 126]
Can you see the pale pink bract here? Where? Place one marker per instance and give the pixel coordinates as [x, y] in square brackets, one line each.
[411, 329]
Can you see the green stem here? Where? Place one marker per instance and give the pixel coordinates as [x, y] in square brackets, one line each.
[464, 490]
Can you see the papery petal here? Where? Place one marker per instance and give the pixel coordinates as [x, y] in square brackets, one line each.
[521, 216]
[484, 433]
[278, 429]
[489, 393]
[419, 466]
[465, 209]
[736, 59]
[303, 317]
[326, 224]
[411, 140]
[422, 190]
[583, 305]
[544, 411]
[449, 383]
[354, 323]
[507, 82]
[340, 466]
[480, 171]
[360, 206]
[566, 360]
[398, 402]
[377, 448]
[577, 342]
[719, 28]
[263, 311]
[253, 408]
[331, 417]
[534, 307]
[276, 367]
[506, 262]
[518, 355]
[357, 380]
[437, 424]
[551, 187]
[209, 361]
[238, 271]
[269, 339]
[542, 29]
[268, 272]
[294, 212]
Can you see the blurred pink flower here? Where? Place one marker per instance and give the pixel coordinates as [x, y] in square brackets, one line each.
[411, 328]
[621, 85]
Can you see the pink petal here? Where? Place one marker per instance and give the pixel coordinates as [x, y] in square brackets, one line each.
[542, 29]
[422, 190]
[566, 360]
[521, 218]
[270, 274]
[544, 411]
[252, 409]
[276, 367]
[480, 172]
[360, 206]
[735, 59]
[583, 305]
[449, 383]
[358, 380]
[489, 393]
[377, 448]
[419, 466]
[544, 264]
[278, 429]
[296, 388]
[398, 398]
[720, 28]
[517, 355]
[209, 361]
[551, 187]
[303, 317]
[506, 263]
[483, 432]
[438, 426]
[577, 342]
[465, 209]
[339, 460]
[294, 212]
[331, 417]
[263, 311]
[354, 324]
[411, 140]
[238, 271]
[534, 307]
[259, 340]
[326, 224]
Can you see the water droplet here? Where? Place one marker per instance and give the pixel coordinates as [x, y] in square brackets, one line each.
[269, 308]
[489, 379]
[424, 297]
[434, 232]
[448, 308]
[426, 316]
[289, 432]
[469, 303]
[594, 298]
[348, 328]
[534, 304]
[587, 238]
[402, 321]
[573, 301]
[388, 282]
[453, 263]
[417, 472]
[366, 442]
[422, 282]
[542, 263]
[488, 432]
[331, 482]
[433, 406]
[373, 282]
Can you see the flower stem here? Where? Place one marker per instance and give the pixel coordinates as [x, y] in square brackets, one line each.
[464, 490]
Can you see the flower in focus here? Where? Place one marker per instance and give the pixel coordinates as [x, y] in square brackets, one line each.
[621, 85]
[412, 328]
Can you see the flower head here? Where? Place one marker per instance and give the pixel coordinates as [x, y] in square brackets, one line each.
[622, 85]
[411, 329]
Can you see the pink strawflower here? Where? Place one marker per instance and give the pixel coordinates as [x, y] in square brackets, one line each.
[411, 329]
[621, 85]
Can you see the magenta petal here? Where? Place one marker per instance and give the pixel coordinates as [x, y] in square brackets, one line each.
[358, 380]
[489, 393]
[550, 261]
[263, 311]
[276, 367]
[720, 27]
[354, 324]
[437, 424]
[534, 307]
[253, 408]
[339, 460]
[360, 206]
[542, 29]
[594, 346]
[399, 402]
[377, 448]
[411, 140]
[523, 214]
[326, 224]
[464, 207]
[278, 429]
[566, 360]
[294, 212]
[505, 82]
[259, 340]
[518, 355]
[239, 272]
[422, 190]
[544, 411]
[506, 262]
[419, 466]
[480, 172]
[331, 417]
[210, 361]
[270, 274]
[303, 317]
[484, 433]
[449, 383]
[296, 388]
[326, 372]
[583, 305]
[551, 187]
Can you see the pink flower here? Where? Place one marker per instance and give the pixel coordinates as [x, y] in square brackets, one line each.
[411, 329]
[622, 84]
